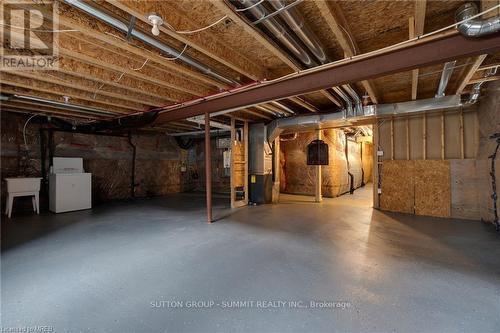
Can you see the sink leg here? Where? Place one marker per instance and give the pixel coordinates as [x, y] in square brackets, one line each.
[10, 201]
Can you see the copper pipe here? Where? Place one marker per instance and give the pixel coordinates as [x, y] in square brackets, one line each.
[208, 168]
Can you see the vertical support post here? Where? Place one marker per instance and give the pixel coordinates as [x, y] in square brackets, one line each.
[277, 171]
[408, 138]
[208, 168]
[233, 139]
[424, 137]
[245, 139]
[462, 143]
[392, 138]
[375, 165]
[318, 197]
[442, 137]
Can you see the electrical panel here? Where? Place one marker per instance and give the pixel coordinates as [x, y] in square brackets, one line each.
[317, 153]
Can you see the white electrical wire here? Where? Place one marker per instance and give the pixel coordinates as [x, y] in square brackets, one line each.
[247, 8]
[24, 130]
[178, 56]
[144, 64]
[188, 32]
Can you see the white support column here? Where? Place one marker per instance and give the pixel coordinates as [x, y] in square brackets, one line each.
[319, 197]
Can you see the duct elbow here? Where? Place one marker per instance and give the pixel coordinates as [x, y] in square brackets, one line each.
[475, 27]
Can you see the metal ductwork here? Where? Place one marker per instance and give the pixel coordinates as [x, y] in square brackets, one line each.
[347, 101]
[475, 27]
[331, 120]
[117, 24]
[258, 11]
[445, 78]
[476, 88]
[358, 104]
[296, 23]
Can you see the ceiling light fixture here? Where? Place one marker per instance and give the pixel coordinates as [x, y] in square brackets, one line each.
[156, 21]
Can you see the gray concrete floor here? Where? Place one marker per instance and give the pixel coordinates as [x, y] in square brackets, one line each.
[109, 269]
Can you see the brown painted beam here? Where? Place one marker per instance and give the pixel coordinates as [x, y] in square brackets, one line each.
[423, 52]
[208, 168]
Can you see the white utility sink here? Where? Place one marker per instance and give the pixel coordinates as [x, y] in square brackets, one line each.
[21, 187]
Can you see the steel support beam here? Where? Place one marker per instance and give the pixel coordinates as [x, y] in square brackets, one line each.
[208, 168]
[419, 53]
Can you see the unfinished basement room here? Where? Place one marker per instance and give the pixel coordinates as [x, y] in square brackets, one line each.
[250, 166]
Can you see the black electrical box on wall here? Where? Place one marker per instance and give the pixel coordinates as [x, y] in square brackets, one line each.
[317, 153]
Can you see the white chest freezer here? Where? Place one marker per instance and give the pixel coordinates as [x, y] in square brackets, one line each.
[69, 187]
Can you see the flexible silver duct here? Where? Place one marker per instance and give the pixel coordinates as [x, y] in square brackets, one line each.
[117, 24]
[258, 11]
[296, 23]
[445, 77]
[475, 27]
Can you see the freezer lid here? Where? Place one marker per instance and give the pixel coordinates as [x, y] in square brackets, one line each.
[64, 165]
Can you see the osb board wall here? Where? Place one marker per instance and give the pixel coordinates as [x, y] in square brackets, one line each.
[408, 137]
[397, 183]
[334, 176]
[432, 188]
[419, 187]
[367, 159]
[109, 159]
[299, 178]
[239, 165]
[489, 123]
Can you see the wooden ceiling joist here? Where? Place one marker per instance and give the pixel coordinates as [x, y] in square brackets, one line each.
[43, 110]
[100, 75]
[204, 42]
[337, 23]
[470, 73]
[304, 104]
[416, 29]
[70, 45]
[60, 90]
[399, 58]
[106, 35]
[17, 90]
[485, 79]
[88, 53]
[86, 85]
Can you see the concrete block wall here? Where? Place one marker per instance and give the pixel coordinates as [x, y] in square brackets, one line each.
[109, 159]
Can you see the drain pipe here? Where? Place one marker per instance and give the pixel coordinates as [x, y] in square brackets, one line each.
[119, 25]
[475, 27]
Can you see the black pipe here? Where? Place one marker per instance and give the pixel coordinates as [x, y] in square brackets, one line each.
[43, 156]
[51, 147]
[494, 196]
[362, 169]
[134, 154]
